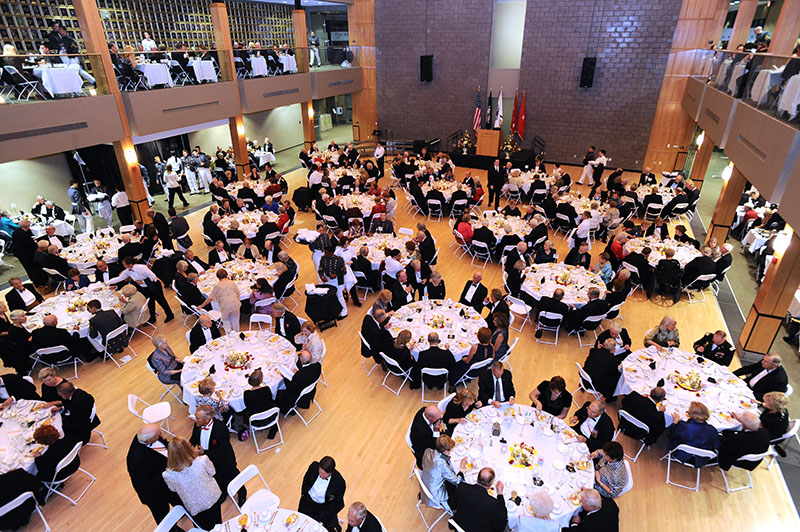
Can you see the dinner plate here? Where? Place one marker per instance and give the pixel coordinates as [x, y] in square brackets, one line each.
[460, 451]
[547, 432]
[558, 464]
[582, 447]
[474, 453]
[562, 448]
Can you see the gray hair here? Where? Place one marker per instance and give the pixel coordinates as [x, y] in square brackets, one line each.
[16, 315]
[147, 432]
[358, 510]
[591, 498]
[749, 421]
[541, 504]
[159, 340]
[615, 326]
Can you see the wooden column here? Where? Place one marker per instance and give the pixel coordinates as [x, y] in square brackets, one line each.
[701, 160]
[787, 29]
[95, 40]
[725, 211]
[300, 30]
[741, 26]
[361, 25]
[222, 35]
[772, 300]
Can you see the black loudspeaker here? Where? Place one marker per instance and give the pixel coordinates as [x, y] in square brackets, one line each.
[587, 72]
[426, 68]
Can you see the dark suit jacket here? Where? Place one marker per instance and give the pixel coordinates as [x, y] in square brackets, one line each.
[643, 409]
[477, 298]
[14, 300]
[370, 330]
[501, 308]
[550, 304]
[334, 496]
[594, 307]
[103, 322]
[131, 249]
[723, 262]
[48, 336]
[603, 336]
[213, 232]
[370, 524]
[424, 271]
[76, 416]
[427, 249]
[421, 436]
[304, 377]
[477, 511]
[399, 295]
[59, 264]
[220, 451]
[290, 324]
[574, 258]
[197, 339]
[12, 485]
[486, 386]
[114, 269]
[19, 388]
[496, 177]
[606, 519]
[435, 357]
[737, 443]
[47, 462]
[190, 294]
[603, 430]
[774, 381]
[145, 467]
[602, 366]
[722, 354]
[214, 258]
[192, 269]
[162, 227]
[485, 235]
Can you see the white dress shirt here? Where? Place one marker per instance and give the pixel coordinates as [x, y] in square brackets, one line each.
[120, 199]
[105, 276]
[206, 333]
[319, 489]
[583, 229]
[159, 447]
[55, 241]
[205, 435]
[223, 256]
[171, 178]
[601, 159]
[196, 265]
[588, 426]
[315, 178]
[138, 273]
[379, 152]
[391, 267]
[764, 372]
[27, 297]
[149, 45]
[471, 292]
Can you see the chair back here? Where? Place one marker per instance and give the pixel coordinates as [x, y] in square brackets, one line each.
[16, 503]
[364, 341]
[261, 318]
[794, 425]
[459, 206]
[392, 365]
[475, 369]
[119, 331]
[248, 473]
[754, 457]
[306, 391]
[624, 415]
[234, 241]
[480, 248]
[51, 350]
[592, 322]
[54, 273]
[694, 451]
[172, 518]
[629, 477]
[702, 280]
[127, 229]
[425, 491]
[550, 319]
[444, 402]
[455, 526]
[132, 400]
[585, 377]
[67, 460]
[434, 372]
[631, 268]
[434, 204]
[405, 231]
[265, 415]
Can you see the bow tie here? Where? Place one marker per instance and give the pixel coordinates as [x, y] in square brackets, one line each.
[207, 427]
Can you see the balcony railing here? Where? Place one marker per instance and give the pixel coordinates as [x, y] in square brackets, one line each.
[38, 77]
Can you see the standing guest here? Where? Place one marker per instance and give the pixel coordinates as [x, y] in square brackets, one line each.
[765, 376]
[552, 397]
[665, 335]
[474, 292]
[212, 439]
[476, 510]
[592, 424]
[496, 180]
[459, 408]
[146, 462]
[696, 431]
[610, 475]
[715, 347]
[322, 493]
[774, 416]
[359, 519]
[147, 283]
[172, 181]
[163, 360]
[23, 247]
[734, 444]
[227, 296]
[603, 368]
[22, 296]
[191, 475]
[438, 474]
[122, 204]
[179, 230]
[162, 228]
[597, 514]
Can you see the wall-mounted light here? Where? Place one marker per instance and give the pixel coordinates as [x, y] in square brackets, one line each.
[130, 156]
[310, 113]
[782, 241]
[2, 100]
[700, 138]
[92, 92]
[727, 172]
[240, 129]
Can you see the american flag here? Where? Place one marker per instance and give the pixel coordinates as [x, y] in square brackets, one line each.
[476, 120]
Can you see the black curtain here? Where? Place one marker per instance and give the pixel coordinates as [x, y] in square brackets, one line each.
[146, 151]
[100, 163]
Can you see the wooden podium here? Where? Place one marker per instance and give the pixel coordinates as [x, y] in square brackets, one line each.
[488, 142]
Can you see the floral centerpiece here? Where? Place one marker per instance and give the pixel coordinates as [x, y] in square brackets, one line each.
[565, 279]
[508, 146]
[522, 455]
[237, 360]
[101, 244]
[77, 305]
[238, 274]
[690, 381]
[437, 321]
[465, 142]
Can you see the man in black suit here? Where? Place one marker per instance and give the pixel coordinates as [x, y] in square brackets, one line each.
[196, 265]
[267, 228]
[593, 425]
[13, 385]
[598, 514]
[382, 225]
[496, 386]
[765, 376]
[76, 414]
[641, 262]
[55, 262]
[474, 293]
[496, 181]
[698, 266]
[426, 245]
[715, 347]
[211, 438]
[146, 461]
[371, 328]
[50, 335]
[485, 235]
[203, 332]
[496, 304]
[359, 518]
[426, 426]
[594, 307]
[22, 296]
[361, 263]
[101, 324]
[322, 493]
[554, 305]
[647, 409]
[621, 338]
[458, 194]
[402, 290]
[13, 484]
[603, 367]
[566, 209]
[669, 208]
[478, 511]
[128, 249]
[579, 256]
[724, 261]
[220, 253]
[308, 373]
[647, 177]
[212, 230]
[104, 271]
[162, 228]
[752, 439]
[23, 247]
[432, 358]
[652, 198]
[286, 323]
[418, 274]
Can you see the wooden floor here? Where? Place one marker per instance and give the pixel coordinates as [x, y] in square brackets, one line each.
[363, 425]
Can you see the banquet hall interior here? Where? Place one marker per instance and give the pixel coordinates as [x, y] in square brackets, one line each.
[248, 227]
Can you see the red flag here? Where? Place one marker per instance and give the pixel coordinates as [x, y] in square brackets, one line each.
[514, 115]
[521, 119]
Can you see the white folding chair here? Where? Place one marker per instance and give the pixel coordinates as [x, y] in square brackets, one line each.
[405, 231]
[272, 416]
[411, 447]
[259, 319]
[699, 285]
[141, 325]
[434, 209]
[57, 276]
[549, 321]
[92, 416]
[753, 458]
[794, 426]
[628, 418]
[629, 483]
[307, 391]
[263, 499]
[521, 309]
[122, 330]
[134, 400]
[432, 372]
[19, 501]
[53, 485]
[127, 229]
[462, 245]
[694, 451]
[393, 368]
[480, 251]
[68, 360]
[583, 378]
[429, 496]
[455, 526]
[321, 359]
[589, 325]
[474, 371]
[168, 388]
[504, 359]
[364, 359]
[172, 518]
[442, 405]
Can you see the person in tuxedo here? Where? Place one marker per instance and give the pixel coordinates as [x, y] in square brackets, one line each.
[146, 461]
[13, 484]
[579, 256]
[359, 519]
[698, 266]
[622, 340]
[426, 246]
[50, 335]
[104, 271]
[220, 253]
[418, 273]
[55, 262]
[647, 177]
[496, 304]
[752, 439]
[128, 249]
[76, 412]
[458, 195]
[641, 263]
[603, 367]
[371, 330]
[649, 410]
[193, 263]
[474, 292]
[476, 510]
[552, 304]
[23, 247]
[211, 438]
[715, 347]
[592, 424]
[101, 324]
[322, 493]
[496, 180]
[496, 386]
[724, 261]
[485, 235]
[508, 239]
[765, 376]
[361, 263]
[308, 372]
[212, 230]
[203, 332]
[426, 426]
[659, 229]
[22, 296]
[594, 307]
[598, 514]
[433, 358]
[162, 227]
[286, 323]
[14, 386]
[669, 208]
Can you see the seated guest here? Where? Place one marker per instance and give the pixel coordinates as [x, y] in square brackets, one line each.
[286, 323]
[604, 368]
[664, 335]
[401, 353]
[191, 294]
[554, 305]
[682, 237]
[55, 262]
[702, 265]
[322, 493]
[219, 254]
[382, 225]
[734, 444]
[50, 335]
[515, 278]
[485, 235]
[597, 513]
[16, 346]
[496, 386]
[594, 307]
[134, 310]
[695, 431]
[521, 253]
[101, 324]
[384, 301]
[195, 264]
[477, 353]
[57, 449]
[76, 412]
[459, 408]
[359, 519]
[552, 397]
[765, 376]
[500, 335]
[418, 274]
[434, 288]
[774, 416]
[644, 272]
[579, 256]
[546, 253]
[402, 290]
[509, 239]
[511, 209]
[433, 358]
[22, 296]
[438, 473]
[248, 251]
[540, 505]
[164, 362]
[592, 424]
[204, 331]
[496, 304]
[308, 372]
[425, 428]
[283, 287]
[258, 399]
[309, 340]
[464, 228]
[269, 251]
[128, 249]
[715, 347]
[209, 396]
[474, 292]
[15, 388]
[610, 475]
[622, 341]
[659, 229]
[13, 484]
[604, 268]
[476, 510]
[50, 382]
[649, 410]
[668, 275]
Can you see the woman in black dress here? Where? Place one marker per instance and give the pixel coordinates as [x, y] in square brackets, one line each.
[552, 397]
[259, 399]
[400, 351]
[17, 344]
[434, 288]
[477, 353]
[50, 382]
[459, 408]
[775, 417]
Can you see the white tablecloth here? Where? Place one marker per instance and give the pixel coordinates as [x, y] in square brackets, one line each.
[498, 222]
[581, 204]
[377, 244]
[155, 74]
[249, 222]
[60, 80]
[282, 521]
[85, 254]
[755, 239]
[684, 253]
[16, 438]
[364, 202]
[442, 316]
[70, 307]
[574, 280]
[446, 187]
[555, 445]
[243, 272]
[765, 80]
[258, 65]
[738, 71]
[264, 157]
[790, 98]
[257, 186]
[38, 228]
[276, 357]
[289, 63]
[204, 70]
[527, 180]
[729, 394]
[666, 193]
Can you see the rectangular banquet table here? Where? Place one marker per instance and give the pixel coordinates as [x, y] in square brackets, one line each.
[60, 80]
[155, 74]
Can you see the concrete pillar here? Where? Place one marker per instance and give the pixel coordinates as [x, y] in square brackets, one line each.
[701, 160]
[302, 56]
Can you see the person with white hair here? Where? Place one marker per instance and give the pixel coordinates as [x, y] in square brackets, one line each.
[765, 376]
[699, 266]
[597, 513]
[734, 444]
[146, 460]
[476, 510]
[724, 260]
[541, 506]
[359, 519]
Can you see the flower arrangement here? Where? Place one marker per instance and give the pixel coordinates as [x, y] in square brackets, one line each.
[691, 381]
[77, 305]
[522, 455]
[237, 274]
[101, 244]
[437, 321]
[465, 142]
[237, 360]
[564, 279]
[509, 146]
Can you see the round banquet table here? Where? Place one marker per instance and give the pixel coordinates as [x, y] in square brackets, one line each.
[243, 272]
[264, 157]
[38, 225]
[86, 253]
[433, 165]
[363, 202]
[446, 187]
[16, 436]
[274, 354]
[259, 520]
[257, 186]
[497, 223]
[458, 331]
[527, 180]
[377, 243]
[249, 222]
[583, 204]
[729, 394]
[556, 447]
[70, 308]
[684, 253]
[542, 279]
[755, 239]
[666, 193]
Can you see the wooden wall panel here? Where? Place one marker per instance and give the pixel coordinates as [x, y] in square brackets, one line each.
[361, 25]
